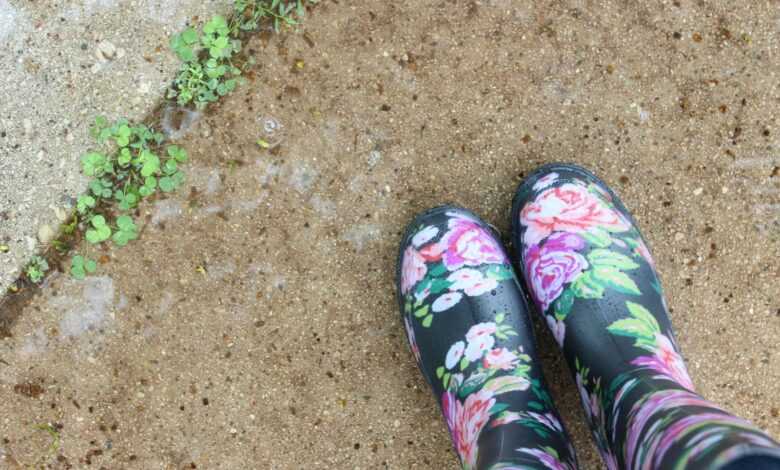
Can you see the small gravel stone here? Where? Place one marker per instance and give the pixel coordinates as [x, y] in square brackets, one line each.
[105, 51]
[45, 234]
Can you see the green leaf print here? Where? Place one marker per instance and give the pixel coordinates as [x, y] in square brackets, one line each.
[426, 322]
[642, 326]
[421, 312]
[425, 284]
[437, 270]
[535, 405]
[506, 384]
[440, 285]
[641, 313]
[609, 258]
[563, 304]
[587, 287]
[498, 272]
[498, 408]
[597, 237]
[440, 371]
[615, 279]
[472, 383]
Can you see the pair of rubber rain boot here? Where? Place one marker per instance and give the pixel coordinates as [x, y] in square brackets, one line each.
[590, 275]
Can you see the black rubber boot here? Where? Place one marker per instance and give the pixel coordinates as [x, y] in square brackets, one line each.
[593, 280]
[468, 327]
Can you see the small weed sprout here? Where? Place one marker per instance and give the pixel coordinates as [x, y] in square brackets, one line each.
[126, 174]
[132, 166]
[36, 269]
[210, 69]
[204, 81]
[249, 13]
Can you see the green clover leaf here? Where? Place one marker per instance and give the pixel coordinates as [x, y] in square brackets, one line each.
[80, 266]
[170, 167]
[217, 25]
[122, 135]
[84, 203]
[94, 164]
[100, 123]
[182, 44]
[177, 153]
[189, 36]
[127, 200]
[125, 223]
[150, 185]
[151, 163]
[166, 184]
[126, 230]
[170, 183]
[100, 188]
[124, 157]
[101, 231]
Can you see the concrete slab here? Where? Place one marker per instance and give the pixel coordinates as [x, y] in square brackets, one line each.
[63, 63]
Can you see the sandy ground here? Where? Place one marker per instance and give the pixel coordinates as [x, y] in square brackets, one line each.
[254, 324]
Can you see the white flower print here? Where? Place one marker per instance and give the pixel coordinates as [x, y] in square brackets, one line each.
[454, 354]
[424, 236]
[481, 329]
[472, 282]
[464, 278]
[479, 346]
[446, 301]
[484, 286]
[545, 181]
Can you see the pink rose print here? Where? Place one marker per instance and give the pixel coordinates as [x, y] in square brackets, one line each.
[500, 358]
[466, 421]
[432, 252]
[549, 460]
[662, 403]
[558, 329]
[413, 269]
[412, 340]
[554, 264]
[505, 418]
[547, 419]
[567, 208]
[644, 252]
[666, 361]
[589, 401]
[468, 244]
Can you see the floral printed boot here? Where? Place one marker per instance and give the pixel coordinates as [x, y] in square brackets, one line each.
[592, 278]
[468, 327]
